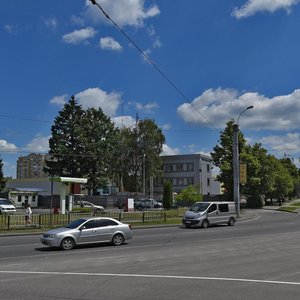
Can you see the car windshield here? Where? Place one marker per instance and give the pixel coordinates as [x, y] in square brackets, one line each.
[199, 207]
[76, 223]
[4, 201]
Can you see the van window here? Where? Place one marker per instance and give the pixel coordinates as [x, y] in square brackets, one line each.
[223, 208]
[199, 207]
[212, 208]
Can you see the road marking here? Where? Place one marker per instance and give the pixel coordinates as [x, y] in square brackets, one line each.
[154, 276]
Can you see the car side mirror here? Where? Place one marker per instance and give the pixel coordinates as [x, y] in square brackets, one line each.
[82, 227]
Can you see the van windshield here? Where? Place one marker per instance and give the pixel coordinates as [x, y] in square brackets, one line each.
[199, 207]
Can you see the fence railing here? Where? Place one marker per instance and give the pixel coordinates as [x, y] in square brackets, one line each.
[40, 220]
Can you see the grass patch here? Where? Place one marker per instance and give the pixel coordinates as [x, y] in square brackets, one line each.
[288, 208]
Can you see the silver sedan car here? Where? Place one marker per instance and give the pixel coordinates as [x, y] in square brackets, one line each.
[86, 231]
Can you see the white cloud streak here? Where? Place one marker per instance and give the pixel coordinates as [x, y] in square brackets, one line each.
[251, 7]
[79, 36]
[123, 12]
[221, 105]
[7, 147]
[95, 97]
[108, 43]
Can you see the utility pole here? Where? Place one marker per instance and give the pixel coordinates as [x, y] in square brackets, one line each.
[236, 163]
[236, 171]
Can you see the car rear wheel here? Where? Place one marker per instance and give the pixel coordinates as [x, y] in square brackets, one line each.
[67, 244]
[205, 224]
[231, 222]
[118, 239]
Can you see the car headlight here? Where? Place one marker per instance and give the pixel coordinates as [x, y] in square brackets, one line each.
[51, 236]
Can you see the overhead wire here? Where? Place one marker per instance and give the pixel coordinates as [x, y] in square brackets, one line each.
[94, 2]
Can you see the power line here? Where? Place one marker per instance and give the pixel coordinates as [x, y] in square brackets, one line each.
[152, 63]
[25, 119]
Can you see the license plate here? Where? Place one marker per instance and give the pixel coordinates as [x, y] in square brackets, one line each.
[188, 222]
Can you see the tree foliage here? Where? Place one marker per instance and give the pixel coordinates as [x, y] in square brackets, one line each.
[85, 143]
[167, 194]
[2, 179]
[139, 145]
[189, 195]
[267, 176]
[223, 156]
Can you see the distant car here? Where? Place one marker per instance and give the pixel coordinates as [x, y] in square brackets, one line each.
[92, 206]
[6, 207]
[87, 231]
[147, 204]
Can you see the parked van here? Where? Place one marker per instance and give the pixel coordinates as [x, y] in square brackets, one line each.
[209, 213]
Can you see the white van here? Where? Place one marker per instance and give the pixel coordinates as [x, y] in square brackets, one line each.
[209, 213]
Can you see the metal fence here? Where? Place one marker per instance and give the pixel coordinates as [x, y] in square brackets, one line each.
[52, 220]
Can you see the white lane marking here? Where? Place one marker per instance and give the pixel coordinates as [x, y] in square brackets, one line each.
[154, 276]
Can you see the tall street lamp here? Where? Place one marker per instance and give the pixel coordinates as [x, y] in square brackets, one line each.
[236, 163]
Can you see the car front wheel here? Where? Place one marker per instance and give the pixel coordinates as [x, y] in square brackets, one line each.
[67, 244]
[118, 239]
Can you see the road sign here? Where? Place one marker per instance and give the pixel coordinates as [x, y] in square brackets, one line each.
[243, 173]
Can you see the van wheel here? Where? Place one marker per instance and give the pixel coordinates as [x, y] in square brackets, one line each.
[231, 222]
[205, 224]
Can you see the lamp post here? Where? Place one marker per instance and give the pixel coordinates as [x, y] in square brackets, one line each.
[236, 163]
[144, 175]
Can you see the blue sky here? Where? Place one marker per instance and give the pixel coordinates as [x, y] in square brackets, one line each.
[222, 55]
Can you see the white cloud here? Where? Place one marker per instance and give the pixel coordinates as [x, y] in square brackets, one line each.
[166, 127]
[123, 12]
[146, 108]
[289, 143]
[59, 100]
[220, 105]
[95, 97]
[79, 36]
[75, 20]
[251, 7]
[7, 147]
[50, 22]
[169, 151]
[40, 144]
[124, 121]
[108, 43]
[12, 29]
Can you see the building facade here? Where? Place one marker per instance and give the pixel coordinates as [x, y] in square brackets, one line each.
[188, 169]
[31, 166]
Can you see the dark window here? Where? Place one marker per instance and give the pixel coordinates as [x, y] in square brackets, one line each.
[208, 182]
[223, 207]
[212, 208]
[208, 168]
[91, 224]
[106, 222]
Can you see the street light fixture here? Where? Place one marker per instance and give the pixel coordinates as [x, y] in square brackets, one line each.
[236, 163]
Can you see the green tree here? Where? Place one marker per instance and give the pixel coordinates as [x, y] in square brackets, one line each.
[222, 156]
[189, 195]
[294, 172]
[167, 194]
[67, 150]
[2, 179]
[99, 144]
[138, 145]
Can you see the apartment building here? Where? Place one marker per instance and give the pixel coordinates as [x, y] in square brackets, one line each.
[31, 166]
[188, 169]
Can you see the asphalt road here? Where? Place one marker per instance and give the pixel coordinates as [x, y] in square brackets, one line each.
[255, 259]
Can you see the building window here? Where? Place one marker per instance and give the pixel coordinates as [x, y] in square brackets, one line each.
[208, 168]
[208, 182]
